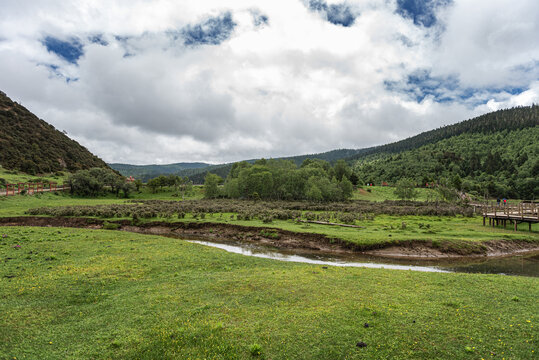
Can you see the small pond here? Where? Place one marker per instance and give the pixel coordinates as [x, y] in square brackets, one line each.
[521, 265]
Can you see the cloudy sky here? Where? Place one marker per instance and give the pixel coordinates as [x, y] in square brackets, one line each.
[162, 81]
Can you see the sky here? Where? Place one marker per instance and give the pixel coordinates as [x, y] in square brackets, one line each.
[165, 81]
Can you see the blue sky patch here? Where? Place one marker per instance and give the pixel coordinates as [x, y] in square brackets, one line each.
[421, 84]
[70, 50]
[98, 39]
[337, 14]
[260, 19]
[422, 12]
[55, 71]
[212, 31]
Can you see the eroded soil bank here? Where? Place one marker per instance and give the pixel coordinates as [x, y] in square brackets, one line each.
[418, 249]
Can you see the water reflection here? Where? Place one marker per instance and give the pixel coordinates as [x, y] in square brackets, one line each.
[524, 265]
[514, 265]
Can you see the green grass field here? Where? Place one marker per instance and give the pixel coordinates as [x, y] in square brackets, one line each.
[83, 294]
[381, 193]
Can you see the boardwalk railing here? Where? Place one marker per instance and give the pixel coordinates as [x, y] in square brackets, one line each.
[526, 211]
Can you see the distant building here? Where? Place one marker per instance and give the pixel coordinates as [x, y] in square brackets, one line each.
[130, 179]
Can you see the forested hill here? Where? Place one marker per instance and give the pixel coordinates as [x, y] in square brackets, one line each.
[507, 119]
[31, 145]
[495, 155]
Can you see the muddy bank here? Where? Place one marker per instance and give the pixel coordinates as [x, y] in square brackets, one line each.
[284, 239]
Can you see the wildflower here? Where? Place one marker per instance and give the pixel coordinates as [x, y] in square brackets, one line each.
[17, 246]
[4, 236]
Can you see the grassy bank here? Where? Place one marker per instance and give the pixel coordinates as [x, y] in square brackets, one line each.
[70, 293]
[386, 228]
[446, 232]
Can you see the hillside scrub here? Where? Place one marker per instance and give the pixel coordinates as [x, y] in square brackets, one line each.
[33, 146]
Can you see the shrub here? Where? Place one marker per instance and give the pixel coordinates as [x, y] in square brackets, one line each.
[110, 226]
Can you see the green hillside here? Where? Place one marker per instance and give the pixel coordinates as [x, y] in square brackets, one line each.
[503, 163]
[33, 146]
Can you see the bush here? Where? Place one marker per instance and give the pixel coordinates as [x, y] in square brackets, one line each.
[110, 226]
[405, 189]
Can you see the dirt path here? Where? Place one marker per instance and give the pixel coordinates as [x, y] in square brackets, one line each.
[287, 239]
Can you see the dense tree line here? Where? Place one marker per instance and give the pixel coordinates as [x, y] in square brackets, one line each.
[198, 175]
[314, 180]
[98, 181]
[181, 184]
[31, 145]
[502, 163]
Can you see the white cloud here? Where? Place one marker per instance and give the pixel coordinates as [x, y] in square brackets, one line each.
[298, 84]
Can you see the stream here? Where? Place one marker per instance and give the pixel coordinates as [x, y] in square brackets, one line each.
[520, 265]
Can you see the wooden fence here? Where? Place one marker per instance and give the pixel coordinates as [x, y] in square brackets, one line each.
[31, 188]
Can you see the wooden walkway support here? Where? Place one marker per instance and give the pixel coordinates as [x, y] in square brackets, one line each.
[525, 212]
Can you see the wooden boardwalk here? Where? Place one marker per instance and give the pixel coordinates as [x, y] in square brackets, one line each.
[525, 212]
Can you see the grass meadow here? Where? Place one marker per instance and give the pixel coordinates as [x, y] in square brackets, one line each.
[98, 294]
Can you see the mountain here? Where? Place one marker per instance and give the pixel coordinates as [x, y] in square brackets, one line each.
[507, 119]
[146, 172]
[33, 146]
[496, 154]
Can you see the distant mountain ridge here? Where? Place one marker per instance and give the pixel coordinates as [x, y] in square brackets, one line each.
[33, 146]
[146, 172]
[197, 171]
